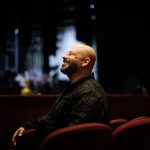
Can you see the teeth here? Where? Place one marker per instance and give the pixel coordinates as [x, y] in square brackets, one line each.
[64, 63]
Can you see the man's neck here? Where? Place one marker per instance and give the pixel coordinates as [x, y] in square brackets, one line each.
[76, 77]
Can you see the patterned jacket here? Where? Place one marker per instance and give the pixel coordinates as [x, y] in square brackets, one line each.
[81, 102]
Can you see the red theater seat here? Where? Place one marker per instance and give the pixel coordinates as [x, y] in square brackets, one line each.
[88, 136]
[115, 123]
[139, 117]
[134, 135]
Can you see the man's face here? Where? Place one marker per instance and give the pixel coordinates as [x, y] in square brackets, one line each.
[71, 62]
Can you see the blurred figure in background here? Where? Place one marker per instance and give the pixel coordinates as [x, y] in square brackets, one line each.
[8, 84]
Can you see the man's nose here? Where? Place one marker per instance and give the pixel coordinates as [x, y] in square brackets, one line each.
[64, 56]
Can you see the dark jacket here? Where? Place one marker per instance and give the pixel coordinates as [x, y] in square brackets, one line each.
[80, 102]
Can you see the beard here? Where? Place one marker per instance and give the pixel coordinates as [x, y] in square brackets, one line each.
[69, 69]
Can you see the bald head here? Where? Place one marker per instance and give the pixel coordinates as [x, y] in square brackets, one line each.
[86, 51]
[78, 61]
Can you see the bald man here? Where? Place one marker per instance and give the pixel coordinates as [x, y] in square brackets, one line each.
[82, 101]
[78, 62]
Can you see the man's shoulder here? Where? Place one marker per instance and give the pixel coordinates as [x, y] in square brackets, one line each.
[91, 85]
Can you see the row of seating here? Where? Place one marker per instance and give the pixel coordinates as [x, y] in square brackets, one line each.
[122, 135]
[132, 135]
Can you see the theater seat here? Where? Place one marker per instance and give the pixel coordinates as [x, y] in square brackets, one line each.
[139, 117]
[27, 139]
[87, 136]
[134, 135]
[115, 123]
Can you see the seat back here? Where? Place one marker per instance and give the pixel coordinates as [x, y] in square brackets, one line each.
[27, 139]
[115, 123]
[139, 117]
[86, 136]
[134, 135]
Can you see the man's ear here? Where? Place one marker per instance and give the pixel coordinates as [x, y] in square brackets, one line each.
[86, 61]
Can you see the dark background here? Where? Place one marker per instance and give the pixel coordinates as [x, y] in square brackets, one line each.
[122, 32]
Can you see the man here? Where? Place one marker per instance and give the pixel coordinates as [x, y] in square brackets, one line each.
[82, 101]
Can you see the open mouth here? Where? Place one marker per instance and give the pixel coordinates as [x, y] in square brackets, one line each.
[64, 64]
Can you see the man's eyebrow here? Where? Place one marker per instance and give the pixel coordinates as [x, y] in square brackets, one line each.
[71, 52]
